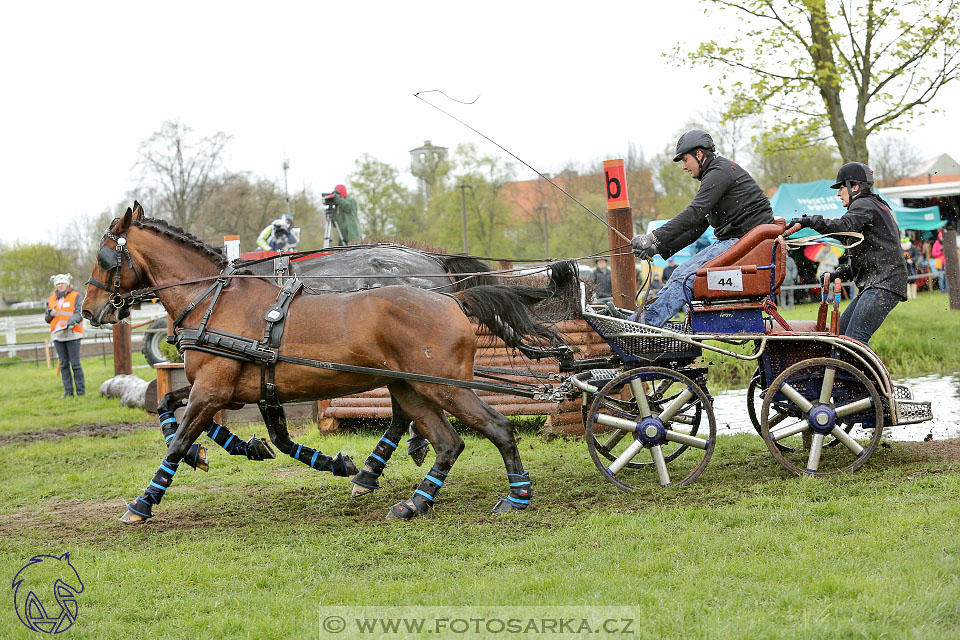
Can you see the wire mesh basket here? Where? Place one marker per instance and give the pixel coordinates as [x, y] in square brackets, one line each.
[634, 343]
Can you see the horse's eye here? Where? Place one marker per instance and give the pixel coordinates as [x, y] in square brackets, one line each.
[107, 258]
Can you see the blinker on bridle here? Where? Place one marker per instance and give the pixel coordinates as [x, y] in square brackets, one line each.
[112, 260]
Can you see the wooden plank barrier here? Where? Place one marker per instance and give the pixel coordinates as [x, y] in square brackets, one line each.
[491, 352]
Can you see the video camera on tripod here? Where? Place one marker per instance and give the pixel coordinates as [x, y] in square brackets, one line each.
[330, 207]
[330, 210]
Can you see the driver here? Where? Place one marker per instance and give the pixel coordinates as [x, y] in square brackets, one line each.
[728, 199]
[876, 264]
[279, 235]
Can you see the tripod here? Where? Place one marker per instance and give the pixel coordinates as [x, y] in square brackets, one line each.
[331, 212]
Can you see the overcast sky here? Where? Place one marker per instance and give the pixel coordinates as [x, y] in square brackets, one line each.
[84, 83]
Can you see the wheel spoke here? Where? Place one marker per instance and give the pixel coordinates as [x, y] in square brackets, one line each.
[617, 423]
[826, 390]
[847, 441]
[796, 397]
[676, 405]
[682, 419]
[614, 439]
[789, 430]
[777, 419]
[683, 438]
[628, 454]
[636, 385]
[854, 407]
[663, 477]
[816, 446]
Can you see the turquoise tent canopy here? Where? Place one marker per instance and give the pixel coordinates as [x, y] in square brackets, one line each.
[817, 198]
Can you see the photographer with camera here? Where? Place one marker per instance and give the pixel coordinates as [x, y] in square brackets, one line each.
[341, 213]
[279, 235]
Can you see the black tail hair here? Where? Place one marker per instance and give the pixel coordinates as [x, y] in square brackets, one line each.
[504, 309]
[468, 264]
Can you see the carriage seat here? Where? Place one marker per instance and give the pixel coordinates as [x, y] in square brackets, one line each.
[743, 270]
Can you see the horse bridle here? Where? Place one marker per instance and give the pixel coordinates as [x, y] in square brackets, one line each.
[112, 260]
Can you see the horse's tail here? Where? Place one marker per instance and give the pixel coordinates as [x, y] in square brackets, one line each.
[467, 264]
[504, 309]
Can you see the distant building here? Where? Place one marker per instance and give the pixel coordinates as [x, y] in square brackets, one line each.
[942, 168]
[425, 162]
[538, 200]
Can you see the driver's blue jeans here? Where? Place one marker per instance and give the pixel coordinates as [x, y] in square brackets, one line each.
[674, 294]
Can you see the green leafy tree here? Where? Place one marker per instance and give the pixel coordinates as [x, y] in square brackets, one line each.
[487, 211]
[25, 269]
[675, 187]
[807, 164]
[832, 68]
[383, 203]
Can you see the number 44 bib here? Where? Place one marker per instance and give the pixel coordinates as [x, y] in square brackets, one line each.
[725, 280]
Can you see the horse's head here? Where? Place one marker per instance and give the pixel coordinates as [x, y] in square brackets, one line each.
[114, 273]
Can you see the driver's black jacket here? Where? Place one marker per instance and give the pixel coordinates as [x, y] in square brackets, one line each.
[729, 199]
[878, 260]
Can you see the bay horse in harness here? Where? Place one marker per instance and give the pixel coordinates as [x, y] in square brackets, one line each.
[345, 269]
[371, 336]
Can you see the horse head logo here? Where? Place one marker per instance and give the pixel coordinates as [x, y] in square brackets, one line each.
[45, 593]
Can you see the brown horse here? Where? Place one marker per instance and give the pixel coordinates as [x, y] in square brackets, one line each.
[392, 328]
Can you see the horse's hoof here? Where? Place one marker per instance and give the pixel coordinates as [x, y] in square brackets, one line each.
[364, 482]
[403, 511]
[344, 466]
[360, 491]
[259, 449]
[505, 505]
[417, 449]
[129, 517]
[197, 457]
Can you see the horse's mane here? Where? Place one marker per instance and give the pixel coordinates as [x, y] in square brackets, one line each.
[406, 242]
[165, 228]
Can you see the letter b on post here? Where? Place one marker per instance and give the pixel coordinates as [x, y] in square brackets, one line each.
[616, 180]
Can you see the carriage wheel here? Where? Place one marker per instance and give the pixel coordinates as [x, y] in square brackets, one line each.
[824, 399]
[652, 409]
[753, 392]
[661, 395]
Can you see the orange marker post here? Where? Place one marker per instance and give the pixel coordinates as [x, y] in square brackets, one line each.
[620, 217]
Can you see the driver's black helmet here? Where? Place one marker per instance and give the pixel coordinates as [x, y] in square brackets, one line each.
[693, 139]
[854, 172]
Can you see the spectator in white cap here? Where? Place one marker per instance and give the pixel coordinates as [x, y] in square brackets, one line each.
[66, 328]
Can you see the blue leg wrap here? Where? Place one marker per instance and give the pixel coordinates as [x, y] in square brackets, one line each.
[376, 462]
[423, 496]
[195, 454]
[521, 493]
[340, 466]
[153, 494]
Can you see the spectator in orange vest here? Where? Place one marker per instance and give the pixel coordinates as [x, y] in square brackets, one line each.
[66, 329]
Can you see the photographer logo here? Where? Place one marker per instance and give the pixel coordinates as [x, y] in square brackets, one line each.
[45, 593]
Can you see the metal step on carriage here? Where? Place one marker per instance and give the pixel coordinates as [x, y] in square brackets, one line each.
[823, 398]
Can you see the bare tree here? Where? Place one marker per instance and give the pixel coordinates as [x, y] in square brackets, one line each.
[893, 158]
[177, 173]
[840, 68]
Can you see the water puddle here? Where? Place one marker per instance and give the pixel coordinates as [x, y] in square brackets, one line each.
[730, 409]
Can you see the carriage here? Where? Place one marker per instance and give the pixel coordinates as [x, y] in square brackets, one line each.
[824, 398]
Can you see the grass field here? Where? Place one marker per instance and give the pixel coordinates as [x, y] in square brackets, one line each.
[260, 550]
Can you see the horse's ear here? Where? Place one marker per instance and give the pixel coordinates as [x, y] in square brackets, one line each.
[123, 223]
[66, 556]
[137, 211]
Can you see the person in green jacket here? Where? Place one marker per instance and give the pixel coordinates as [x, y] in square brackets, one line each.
[347, 218]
